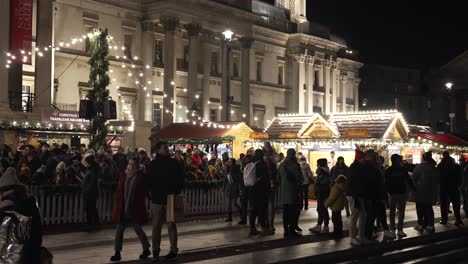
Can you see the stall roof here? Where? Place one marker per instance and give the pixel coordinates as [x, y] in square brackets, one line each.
[286, 123]
[379, 124]
[188, 131]
[444, 139]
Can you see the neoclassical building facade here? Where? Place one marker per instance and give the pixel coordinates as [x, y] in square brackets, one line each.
[171, 62]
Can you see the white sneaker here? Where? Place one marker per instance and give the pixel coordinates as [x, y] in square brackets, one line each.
[355, 241]
[389, 234]
[401, 233]
[419, 228]
[324, 230]
[316, 229]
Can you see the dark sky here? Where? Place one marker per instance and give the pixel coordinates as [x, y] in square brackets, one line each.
[407, 33]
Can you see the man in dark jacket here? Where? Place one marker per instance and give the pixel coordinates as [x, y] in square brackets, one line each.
[259, 195]
[164, 178]
[353, 191]
[450, 181]
[396, 180]
[90, 188]
[322, 191]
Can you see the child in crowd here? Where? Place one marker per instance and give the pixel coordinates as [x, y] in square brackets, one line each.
[336, 202]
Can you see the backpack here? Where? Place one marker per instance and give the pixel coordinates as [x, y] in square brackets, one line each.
[249, 174]
[15, 230]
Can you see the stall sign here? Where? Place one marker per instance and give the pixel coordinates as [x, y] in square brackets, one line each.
[321, 134]
[55, 116]
[288, 135]
[259, 135]
[356, 133]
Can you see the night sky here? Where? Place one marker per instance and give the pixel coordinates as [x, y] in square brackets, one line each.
[406, 33]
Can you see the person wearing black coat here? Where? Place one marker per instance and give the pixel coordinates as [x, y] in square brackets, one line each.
[164, 177]
[450, 181]
[259, 195]
[396, 181]
[90, 189]
[14, 198]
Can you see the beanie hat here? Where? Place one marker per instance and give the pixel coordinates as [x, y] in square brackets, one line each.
[359, 155]
[322, 162]
[9, 179]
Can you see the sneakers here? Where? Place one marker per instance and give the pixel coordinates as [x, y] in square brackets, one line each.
[298, 229]
[419, 228]
[267, 232]
[146, 253]
[355, 241]
[254, 232]
[116, 257]
[155, 256]
[459, 223]
[171, 256]
[389, 234]
[294, 234]
[324, 230]
[316, 229]
[443, 222]
[401, 234]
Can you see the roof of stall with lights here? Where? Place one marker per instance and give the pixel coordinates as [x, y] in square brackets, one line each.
[378, 124]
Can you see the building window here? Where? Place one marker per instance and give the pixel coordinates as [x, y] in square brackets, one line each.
[126, 113]
[186, 55]
[213, 115]
[235, 67]
[158, 51]
[128, 44]
[26, 97]
[157, 115]
[280, 74]
[316, 79]
[259, 118]
[214, 62]
[87, 44]
[259, 70]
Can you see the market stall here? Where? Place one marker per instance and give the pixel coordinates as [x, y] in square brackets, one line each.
[225, 137]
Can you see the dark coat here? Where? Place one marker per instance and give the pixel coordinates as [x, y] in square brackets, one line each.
[396, 180]
[426, 180]
[232, 190]
[164, 177]
[138, 215]
[262, 184]
[354, 184]
[290, 181]
[337, 171]
[450, 174]
[322, 183]
[27, 207]
[90, 183]
[373, 182]
[121, 161]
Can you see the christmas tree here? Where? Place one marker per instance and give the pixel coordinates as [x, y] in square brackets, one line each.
[98, 80]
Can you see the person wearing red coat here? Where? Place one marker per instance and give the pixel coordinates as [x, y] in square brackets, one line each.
[130, 208]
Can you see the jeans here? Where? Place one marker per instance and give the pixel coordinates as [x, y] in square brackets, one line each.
[371, 213]
[381, 214]
[425, 214]
[230, 202]
[119, 233]
[397, 201]
[271, 209]
[290, 216]
[92, 216]
[244, 204]
[159, 215]
[362, 215]
[454, 196]
[323, 216]
[337, 223]
[353, 219]
[259, 209]
[305, 194]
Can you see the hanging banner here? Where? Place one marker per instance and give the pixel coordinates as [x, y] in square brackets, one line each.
[21, 31]
[54, 116]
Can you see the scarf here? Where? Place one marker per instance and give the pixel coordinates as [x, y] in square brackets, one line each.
[129, 194]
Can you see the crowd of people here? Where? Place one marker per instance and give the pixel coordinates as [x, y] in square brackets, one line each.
[365, 189]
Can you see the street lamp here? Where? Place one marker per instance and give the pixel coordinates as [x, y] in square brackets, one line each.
[448, 85]
[228, 38]
[451, 115]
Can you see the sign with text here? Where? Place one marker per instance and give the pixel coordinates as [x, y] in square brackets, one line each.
[54, 116]
[21, 30]
[356, 133]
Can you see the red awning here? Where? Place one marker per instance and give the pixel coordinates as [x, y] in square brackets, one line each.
[444, 139]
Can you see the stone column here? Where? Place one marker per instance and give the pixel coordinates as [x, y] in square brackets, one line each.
[356, 94]
[245, 76]
[335, 89]
[327, 86]
[301, 60]
[225, 81]
[43, 69]
[170, 24]
[310, 84]
[343, 80]
[4, 46]
[194, 50]
[145, 97]
[206, 77]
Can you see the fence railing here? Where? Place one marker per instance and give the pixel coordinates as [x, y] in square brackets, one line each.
[61, 206]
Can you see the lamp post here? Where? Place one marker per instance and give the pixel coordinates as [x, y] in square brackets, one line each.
[449, 85]
[228, 38]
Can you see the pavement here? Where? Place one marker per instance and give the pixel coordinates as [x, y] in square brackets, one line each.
[212, 241]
